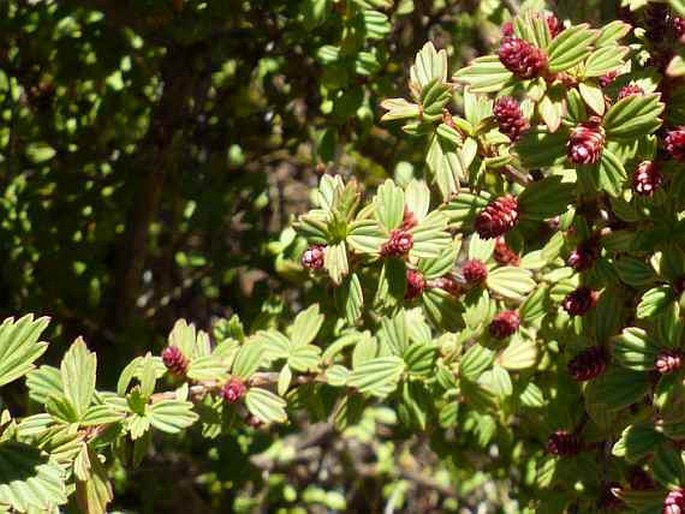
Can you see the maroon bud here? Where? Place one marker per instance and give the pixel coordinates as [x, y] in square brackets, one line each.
[607, 79]
[175, 361]
[233, 390]
[674, 503]
[584, 255]
[505, 324]
[399, 243]
[585, 143]
[608, 499]
[498, 217]
[507, 28]
[675, 143]
[563, 444]
[678, 26]
[474, 272]
[579, 301]
[447, 283]
[640, 480]
[509, 117]
[415, 285]
[409, 220]
[522, 58]
[503, 254]
[588, 364]
[554, 25]
[312, 258]
[668, 361]
[630, 90]
[253, 421]
[647, 178]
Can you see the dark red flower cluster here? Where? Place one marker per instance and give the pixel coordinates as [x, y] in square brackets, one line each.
[498, 217]
[647, 178]
[522, 58]
[668, 361]
[409, 220]
[233, 390]
[562, 443]
[399, 243]
[505, 324]
[509, 117]
[448, 284]
[175, 361]
[588, 364]
[584, 255]
[675, 143]
[415, 284]
[474, 272]
[585, 143]
[312, 258]
[674, 503]
[503, 254]
[579, 301]
[607, 79]
[678, 26]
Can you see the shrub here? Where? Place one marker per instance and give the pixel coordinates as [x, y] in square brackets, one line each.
[519, 304]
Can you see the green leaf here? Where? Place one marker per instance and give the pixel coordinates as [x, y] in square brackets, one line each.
[393, 333]
[593, 96]
[434, 97]
[604, 60]
[265, 405]
[429, 65]
[440, 265]
[484, 75]
[249, 359]
[304, 358]
[634, 349]
[399, 109]
[541, 149]
[498, 381]
[392, 282]
[667, 466]
[29, 479]
[20, 346]
[389, 205]
[39, 152]
[172, 416]
[618, 388]
[519, 354]
[430, 237]
[612, 174]
[634, 272]
[208, 367]
[349, 298]
[464, 208]
[44, 383]
[654, 301]
[480, 249]
[546, 198]
[570, 47]
[337, 375]
[534, 307]
[441, 308]
[612, 32]
[101, 415]
[335, 261]
[510, 282]
[420, 358]
[78, 372]
[637, 441]
[378, 377]
[306, 326]
[95, 493]
[475, 361]
[633, 117]
[366, 236]
[446, 165]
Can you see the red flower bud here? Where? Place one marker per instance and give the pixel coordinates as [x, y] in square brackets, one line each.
[312, 258]
[522, 58]
[608, 500]
[554, 25]
[498, 217]
[579, 301]
[505, 324]
[509, 117]
[668, 361]
[415, 285]
[447, 283]
[585, 143]
[507, 28]
[607, 79]
[675, 143]
[630, 90]
[503, 254]
[588, 364]
[674, 503]
[640, 480]
[678, 26]
[409, 220]
[563, 444]
[233, 390]
[585, 255]
[647, 178]
[474, 272]
[399, 243]
[175, 361]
